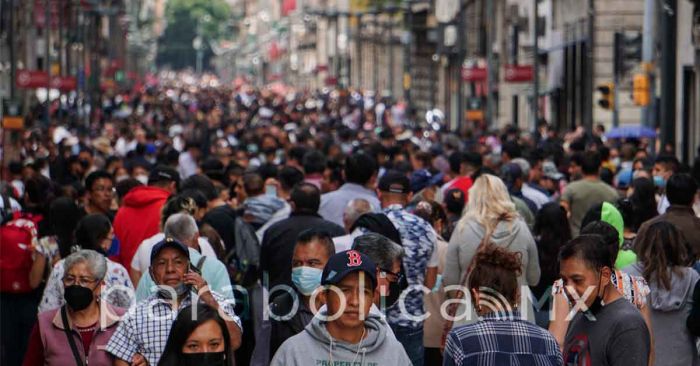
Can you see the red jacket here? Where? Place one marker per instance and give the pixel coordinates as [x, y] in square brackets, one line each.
[138, 219]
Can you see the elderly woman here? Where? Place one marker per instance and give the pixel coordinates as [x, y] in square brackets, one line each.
[94, 232]
[77, 332]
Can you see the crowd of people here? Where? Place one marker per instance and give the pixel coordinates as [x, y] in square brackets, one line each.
[197, 225]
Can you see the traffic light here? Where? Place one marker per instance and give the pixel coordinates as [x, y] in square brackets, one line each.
[606, 100]
[627, 52]
[640, 89]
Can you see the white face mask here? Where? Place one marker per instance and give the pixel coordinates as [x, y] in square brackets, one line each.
[143, 178]
[120, 178]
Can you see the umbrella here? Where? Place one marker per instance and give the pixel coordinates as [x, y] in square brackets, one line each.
[631, 131]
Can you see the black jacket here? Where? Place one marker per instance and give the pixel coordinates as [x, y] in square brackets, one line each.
[281, 307]
[278, 245]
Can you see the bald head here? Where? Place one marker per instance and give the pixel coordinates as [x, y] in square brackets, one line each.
[355, 208]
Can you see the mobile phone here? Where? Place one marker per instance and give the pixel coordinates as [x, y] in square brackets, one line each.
[271, 190]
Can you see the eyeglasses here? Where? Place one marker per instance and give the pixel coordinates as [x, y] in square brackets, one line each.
[107, 189]
[81, 281]
[391, 276]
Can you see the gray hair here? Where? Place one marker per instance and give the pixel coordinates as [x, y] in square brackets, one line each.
[95, 261]
[524, 166]
[180, 226]
[354, 209]
[382, 250]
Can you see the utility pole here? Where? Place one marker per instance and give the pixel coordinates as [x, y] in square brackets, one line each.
[12, 44]
[668, 71]
[649, 33]
[390, 48]
[408, 40]
[619, 55]
[358, 43]
[47, 58]
[491, 74]
[375, 51]
[535, 67]
[515, 33]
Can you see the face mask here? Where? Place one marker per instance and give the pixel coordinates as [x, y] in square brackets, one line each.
[78, 297]
[597, 302]
[616, 161]
[180, 290]
[120, 178]
[204, 359]
[142, 178]
[394, 294]
[659, 181]
[306, 279]
[85, 163]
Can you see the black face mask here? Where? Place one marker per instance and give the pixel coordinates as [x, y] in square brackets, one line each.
[205, 359]
[395, 290]
[78, 297]
[84, 163]
[597, 304]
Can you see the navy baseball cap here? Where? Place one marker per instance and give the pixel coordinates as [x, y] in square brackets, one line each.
[423, 178]
[341, 264]
[169, 243]
[395, 182]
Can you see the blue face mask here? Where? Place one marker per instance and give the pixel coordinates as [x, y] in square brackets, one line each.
[659, 181]
[306, 279]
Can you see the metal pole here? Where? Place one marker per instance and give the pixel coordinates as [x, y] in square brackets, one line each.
[536, 68]
[461, 52]
[47, 57]
[617, 70]
[491, 75]
[590, 69]
[407, 58]
[375, 52]
[12, 44]
[648, 36]
[668, 71]
[514, 61]
[360, 61]
[390, 48]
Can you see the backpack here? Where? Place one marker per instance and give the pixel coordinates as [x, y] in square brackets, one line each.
[18, 237]
[243, 262]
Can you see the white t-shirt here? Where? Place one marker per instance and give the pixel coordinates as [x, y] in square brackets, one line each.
[142, 258]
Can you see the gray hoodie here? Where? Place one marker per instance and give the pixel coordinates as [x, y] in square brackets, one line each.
[673, 344]
[514, 236]
[314, 346]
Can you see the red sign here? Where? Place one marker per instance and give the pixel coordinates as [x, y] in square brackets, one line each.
[32, 79]
[474, 74]
[64, 83]
[519, 73]
[57, 11]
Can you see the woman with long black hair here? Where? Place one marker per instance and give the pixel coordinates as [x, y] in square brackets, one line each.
[93, 232]
[551, 231]
[200, 339]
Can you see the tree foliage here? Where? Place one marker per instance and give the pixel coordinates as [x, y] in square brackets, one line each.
[184, 18]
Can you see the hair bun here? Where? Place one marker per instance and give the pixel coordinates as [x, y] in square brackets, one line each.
[492, 255]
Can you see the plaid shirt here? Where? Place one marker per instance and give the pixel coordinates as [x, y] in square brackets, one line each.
[145, 327]
[501, 339]
[419, 240]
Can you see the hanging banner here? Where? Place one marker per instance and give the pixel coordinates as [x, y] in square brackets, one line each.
[474, 74]
[519, 73]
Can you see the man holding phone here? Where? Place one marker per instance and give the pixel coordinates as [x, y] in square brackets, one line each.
[143, 332]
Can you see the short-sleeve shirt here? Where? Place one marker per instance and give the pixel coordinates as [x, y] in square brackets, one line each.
[617, 336]
[419, 241]
[145, 327]
[584, 194]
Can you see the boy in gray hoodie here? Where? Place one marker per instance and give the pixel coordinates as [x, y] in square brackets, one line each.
[346, 332]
